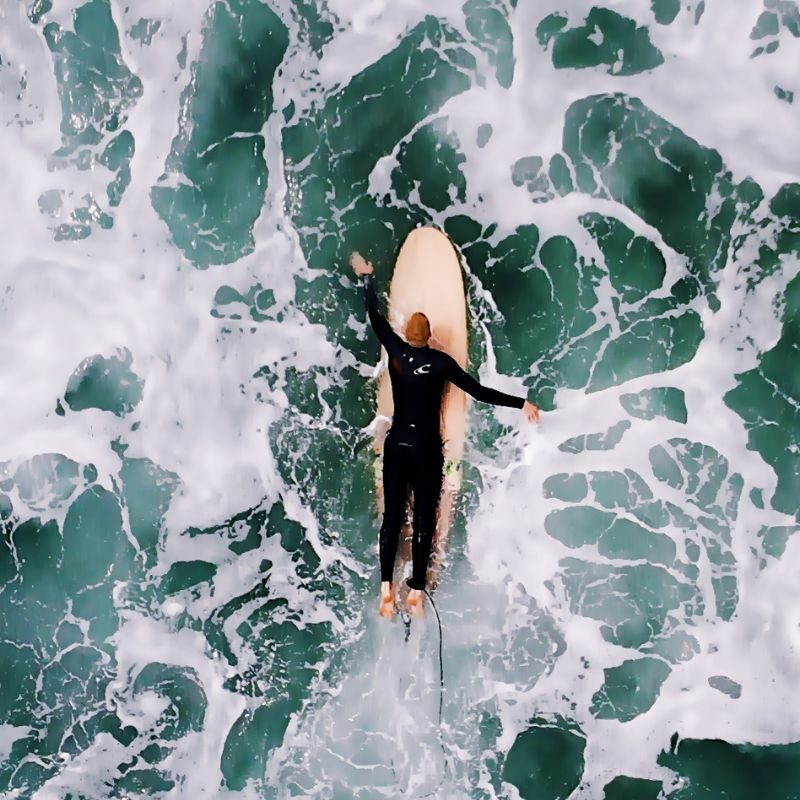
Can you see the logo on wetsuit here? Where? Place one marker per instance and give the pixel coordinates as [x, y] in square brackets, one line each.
[423, 370]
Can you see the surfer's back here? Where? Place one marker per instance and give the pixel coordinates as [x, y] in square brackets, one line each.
[418, 376]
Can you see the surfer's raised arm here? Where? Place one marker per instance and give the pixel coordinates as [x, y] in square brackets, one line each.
[485, 394]
[383, 330]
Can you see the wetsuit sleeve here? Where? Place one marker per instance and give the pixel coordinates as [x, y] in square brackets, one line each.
[383, 330]
[484, 394]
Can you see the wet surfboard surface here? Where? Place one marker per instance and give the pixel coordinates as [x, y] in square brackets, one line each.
[428, 277]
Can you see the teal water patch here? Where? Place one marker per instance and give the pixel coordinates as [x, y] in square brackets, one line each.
[652, 161]
[699, 10]
[97, 90]
[615, 537]
[256, 304]
[183, 713]
[666, 401]
[643, 606]
[252, 738]
[435, 189]
[628, 491]
[635, 265]
[489, 729]
[547, 294]
[654, 338]
[487, 22]
[330, 152]
[550, 28]
[550, 341]
[606, 38]
[144, 30]
[6, 509]
[147, 491]
[644, 162]
[665, 11]
[578, 525]
[528, 172]
[652, 345]
[117, 157]
[702, 473]
[570, 488]
[704, 476]
[215, 176]
[105, 383]
[57, 667]
[187, 574]
[768, 24]
[626, 788]
[560, 175]
[784, 211]
[607, 440]
[56, 616]
[639, 606]
[38, 8]
[309, 459]
[778, 15]
[768, 397]
[93, 525]
[546, 760]
[774, 538]
[315, 23]
[272, 652]
[726, 685]
[712, 768]
[629, 689]
[46, 481]
[626, 539]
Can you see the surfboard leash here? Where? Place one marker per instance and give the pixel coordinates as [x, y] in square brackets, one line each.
[407, 623]
[406, 618]
[441, 669]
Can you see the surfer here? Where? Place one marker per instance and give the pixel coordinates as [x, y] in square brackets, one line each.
[413, 452]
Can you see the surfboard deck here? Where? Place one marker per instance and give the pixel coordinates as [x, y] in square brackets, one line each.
[428, 278]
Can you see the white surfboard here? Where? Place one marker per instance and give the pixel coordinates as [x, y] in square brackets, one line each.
[427, 277]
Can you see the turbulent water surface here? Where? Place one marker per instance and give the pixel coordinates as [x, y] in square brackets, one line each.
[188, 538]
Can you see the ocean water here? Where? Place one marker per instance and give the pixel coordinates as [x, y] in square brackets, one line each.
[188, 548]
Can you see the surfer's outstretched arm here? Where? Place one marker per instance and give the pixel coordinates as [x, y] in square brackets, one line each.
[480, 392]
[383, 330]
[485, 394]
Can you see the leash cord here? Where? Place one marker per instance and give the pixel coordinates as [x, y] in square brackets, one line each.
[441, 698]
[441, 669]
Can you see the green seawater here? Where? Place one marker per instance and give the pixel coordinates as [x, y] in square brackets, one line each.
[202, 176]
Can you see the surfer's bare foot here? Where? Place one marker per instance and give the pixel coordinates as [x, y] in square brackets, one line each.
[414, 603]
[386, 609]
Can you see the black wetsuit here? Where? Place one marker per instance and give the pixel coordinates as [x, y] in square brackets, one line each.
[413, 452]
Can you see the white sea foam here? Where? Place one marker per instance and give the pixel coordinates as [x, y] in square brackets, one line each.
[130, 288]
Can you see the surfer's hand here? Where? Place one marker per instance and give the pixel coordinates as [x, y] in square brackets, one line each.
[359, 265]
[531, 411]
